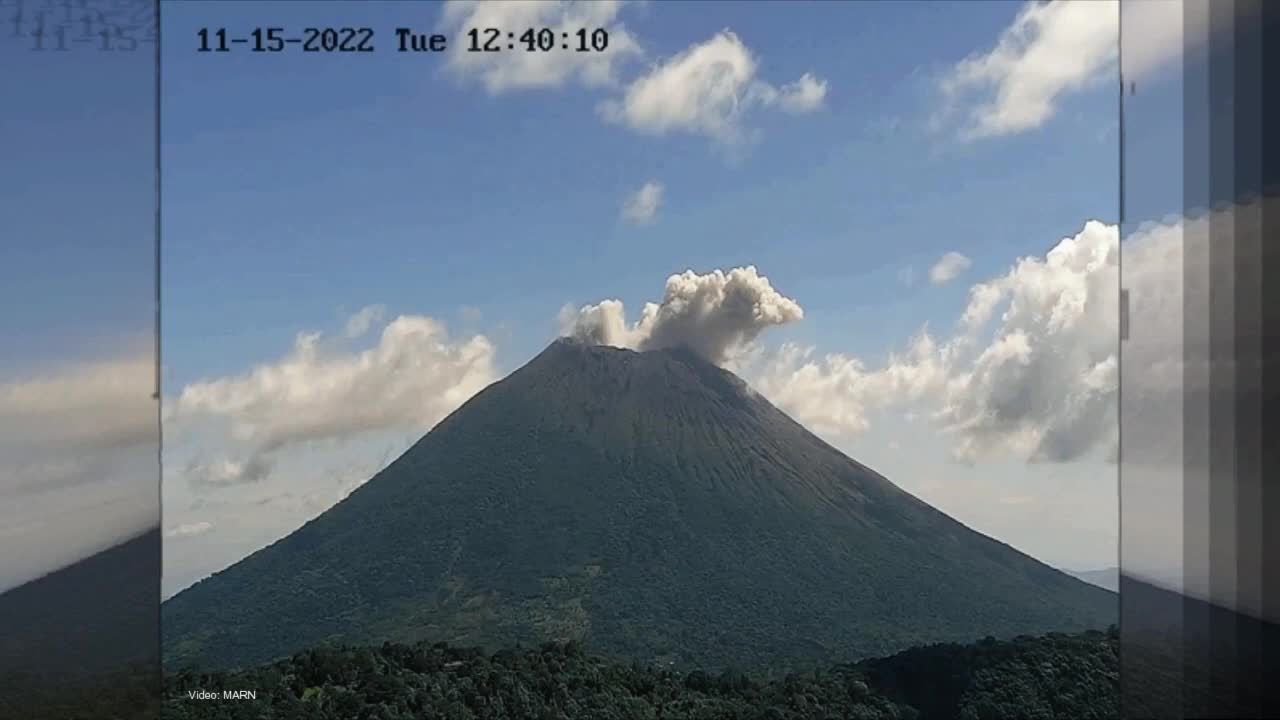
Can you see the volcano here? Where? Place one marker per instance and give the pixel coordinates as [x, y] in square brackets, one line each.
[648, 505]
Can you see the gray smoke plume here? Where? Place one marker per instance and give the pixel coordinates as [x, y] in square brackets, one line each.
[716, 315]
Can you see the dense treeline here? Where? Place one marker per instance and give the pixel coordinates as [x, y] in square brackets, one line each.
[1056, 676]
[1030, 678]
[125, 695]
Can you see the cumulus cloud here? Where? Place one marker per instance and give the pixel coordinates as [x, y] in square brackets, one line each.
[1050, 49]
[641, 207]
[708, 89]
[511, 71]
[412, 378]
[716, 315]
[1055, 48]
[1045, 385]
[1030, 372]
[834, 394]
[948, 268]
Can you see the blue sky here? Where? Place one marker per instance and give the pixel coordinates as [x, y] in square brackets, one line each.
[298, 186]
[871, 141]
[83, 200]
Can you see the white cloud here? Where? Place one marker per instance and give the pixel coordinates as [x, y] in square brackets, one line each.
[1044, 387]
[188, 530]
[641, 207]
[802, 96]
[833, 395]
[1038, 383]
[716, 315]
[948, 268]
[708, 89]
[510, 70]
[413, 377]
[96, 405]
[78, 465]
[1030, 373]
[1051, 49]
[1055, 48]
[363, 319]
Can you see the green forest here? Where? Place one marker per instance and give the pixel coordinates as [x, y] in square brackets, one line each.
[1028, 678]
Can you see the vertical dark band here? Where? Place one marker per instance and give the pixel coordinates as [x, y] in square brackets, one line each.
[1267, 154]
[79, 599]
[1202, 642]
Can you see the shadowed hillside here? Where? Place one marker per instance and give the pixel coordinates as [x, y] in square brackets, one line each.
[83, 642]
[1184, 657]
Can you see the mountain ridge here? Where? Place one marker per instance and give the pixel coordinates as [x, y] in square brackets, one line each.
[650, 504]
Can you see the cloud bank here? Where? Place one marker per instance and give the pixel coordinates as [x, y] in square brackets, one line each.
[78, 469]
[412, 378]
[834, 394]
[95, 405]
[1030, 371]
[716, 315]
